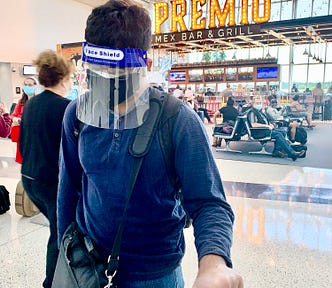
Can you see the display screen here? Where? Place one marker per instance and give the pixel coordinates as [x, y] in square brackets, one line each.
[177, 76]
[267, 72]
[29, 70]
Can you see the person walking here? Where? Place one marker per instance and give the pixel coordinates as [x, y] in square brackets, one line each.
[39, 144]
[95, 166]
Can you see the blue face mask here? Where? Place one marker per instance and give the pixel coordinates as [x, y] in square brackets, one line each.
[72, 94]
[29, 90]
[259, 106]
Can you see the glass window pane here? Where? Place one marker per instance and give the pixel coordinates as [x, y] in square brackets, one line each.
[286, 10]
[329, 52]
[275, 11]
[298, 51]
[242, 53]
[320, 8]
[273, 50]
[284, 78]
[256, 53]
[328, 77]
[300, 77]
[283, 55]
[315, 74]
[303, 8]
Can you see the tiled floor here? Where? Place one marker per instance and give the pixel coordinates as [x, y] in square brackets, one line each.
[282, 233]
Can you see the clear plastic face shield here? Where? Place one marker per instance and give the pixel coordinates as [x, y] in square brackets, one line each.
[113, 87]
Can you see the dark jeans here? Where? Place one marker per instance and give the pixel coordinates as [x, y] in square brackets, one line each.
[206, 114]
[44, 196]
[281, 142]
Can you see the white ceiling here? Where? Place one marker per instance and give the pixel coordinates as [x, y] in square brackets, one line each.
[95, 3]
[92, 3]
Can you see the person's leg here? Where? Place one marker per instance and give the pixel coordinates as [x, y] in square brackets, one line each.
[206, 114]
[171, 280]
[281, 143]
[44, 197]
[293, 125]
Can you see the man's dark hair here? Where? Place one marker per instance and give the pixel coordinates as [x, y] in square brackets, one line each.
[230, 101]
[119, 24]
[296, 97]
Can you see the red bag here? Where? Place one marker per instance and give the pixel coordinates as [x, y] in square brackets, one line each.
[15, 133]
[15, 136]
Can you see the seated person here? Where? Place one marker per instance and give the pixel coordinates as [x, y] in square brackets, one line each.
[300, 110]
[276, 115]
[188, 93]
[178, 93]
[209, 92]
[228, 114]
[240, 95]
[191, 101]
[281, 146]
[227, 92]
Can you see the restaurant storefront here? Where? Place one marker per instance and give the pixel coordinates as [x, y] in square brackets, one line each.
[207, 43]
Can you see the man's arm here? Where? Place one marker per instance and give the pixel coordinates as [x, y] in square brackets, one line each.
[260, 125]
[5, 121]
[5, 125]
[70, 172]
[205, 201]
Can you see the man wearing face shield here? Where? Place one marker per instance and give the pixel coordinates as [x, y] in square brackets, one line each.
[95, 166]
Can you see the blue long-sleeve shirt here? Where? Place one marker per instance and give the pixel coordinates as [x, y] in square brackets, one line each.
[94, 172]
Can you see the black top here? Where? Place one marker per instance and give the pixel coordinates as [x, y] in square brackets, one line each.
[40, 136]
[229, 113]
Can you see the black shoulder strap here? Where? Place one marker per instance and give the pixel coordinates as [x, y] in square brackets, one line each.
[171, 108]
[138, 148]
[142, 139]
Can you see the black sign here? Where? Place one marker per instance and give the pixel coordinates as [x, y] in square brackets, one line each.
[196, 35]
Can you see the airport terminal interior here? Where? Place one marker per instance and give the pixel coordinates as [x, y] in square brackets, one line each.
[283, 208]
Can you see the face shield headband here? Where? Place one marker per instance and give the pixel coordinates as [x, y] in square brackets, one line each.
[113, 87]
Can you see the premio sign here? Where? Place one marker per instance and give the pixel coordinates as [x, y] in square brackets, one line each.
[217, 22]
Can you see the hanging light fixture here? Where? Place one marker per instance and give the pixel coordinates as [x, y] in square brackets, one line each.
[268, 55]
[305, 51]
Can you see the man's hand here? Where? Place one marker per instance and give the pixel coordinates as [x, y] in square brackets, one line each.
[213, 273]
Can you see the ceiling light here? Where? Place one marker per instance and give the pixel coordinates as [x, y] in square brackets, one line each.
[305, 51]
[268, 55]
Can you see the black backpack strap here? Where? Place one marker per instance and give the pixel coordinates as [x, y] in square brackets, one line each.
[138, 148]
[142, 139]
[171, 108]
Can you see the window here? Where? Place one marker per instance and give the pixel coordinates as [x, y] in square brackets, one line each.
[298, 51]
[303, 8]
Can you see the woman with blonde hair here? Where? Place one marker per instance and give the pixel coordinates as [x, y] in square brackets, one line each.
[40, 141]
